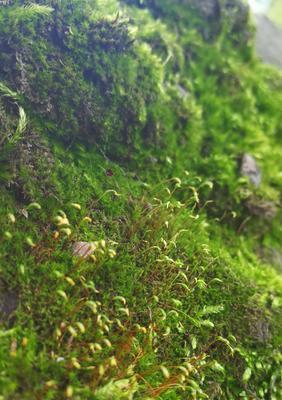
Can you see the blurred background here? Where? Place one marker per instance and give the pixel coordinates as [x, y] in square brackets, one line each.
[268, 18]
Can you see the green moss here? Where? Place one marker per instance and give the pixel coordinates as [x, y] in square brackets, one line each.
[138, 114]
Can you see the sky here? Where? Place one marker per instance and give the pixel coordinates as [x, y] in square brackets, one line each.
[260, 6]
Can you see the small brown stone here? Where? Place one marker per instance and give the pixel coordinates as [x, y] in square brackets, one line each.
[83, 249]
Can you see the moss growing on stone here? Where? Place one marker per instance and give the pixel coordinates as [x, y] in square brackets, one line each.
[138, 114]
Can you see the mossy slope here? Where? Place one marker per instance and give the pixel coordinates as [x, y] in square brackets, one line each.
[122, 124]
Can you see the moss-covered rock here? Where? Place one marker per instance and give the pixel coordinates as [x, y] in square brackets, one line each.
[123, 125]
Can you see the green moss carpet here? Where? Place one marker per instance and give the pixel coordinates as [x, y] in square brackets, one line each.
[137, 258]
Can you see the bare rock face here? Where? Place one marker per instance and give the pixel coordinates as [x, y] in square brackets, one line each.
[83, 249]
[250, 169]
[260, 330]
[258, 207]
[8, 303]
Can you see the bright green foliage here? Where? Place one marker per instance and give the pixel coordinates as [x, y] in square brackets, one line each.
[122, 125]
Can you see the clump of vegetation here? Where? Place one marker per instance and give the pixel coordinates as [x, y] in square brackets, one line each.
[132, 315]
[130, 245]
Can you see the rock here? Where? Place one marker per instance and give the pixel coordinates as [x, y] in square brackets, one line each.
[260, 329]
[60, 359]
[266, 209]
[210, 9]
[8, 302]
[83, 249]
[237, 14]
[182, 92]
[250, 169]
[152, 160]
[271, 256]
[234, 12]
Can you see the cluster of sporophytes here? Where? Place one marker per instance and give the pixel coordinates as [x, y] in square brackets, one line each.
[150, 317]
[122, 124]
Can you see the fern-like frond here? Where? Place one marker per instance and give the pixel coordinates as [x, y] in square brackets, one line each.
[209, 310]
[22, 124]
[28, 11]
[6, 92]
[32, 9]
[9, 142]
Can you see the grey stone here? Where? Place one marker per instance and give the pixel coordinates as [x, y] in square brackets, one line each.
[260, 329]
[9, 300]
[250, 169]
[262, 208]
[271, 256]
[209, 8]
[235, 12]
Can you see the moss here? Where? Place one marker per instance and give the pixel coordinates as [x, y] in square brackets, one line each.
[138, 114]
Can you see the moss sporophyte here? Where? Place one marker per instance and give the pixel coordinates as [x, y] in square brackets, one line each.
[140, 171]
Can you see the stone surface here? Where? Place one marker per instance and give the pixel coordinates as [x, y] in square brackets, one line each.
[271, 256]
[268, 41]
[219, 14]
[83, 249]
[8, 303]
[209, 8]
[262, 208]
[250, 169]
[260, 330]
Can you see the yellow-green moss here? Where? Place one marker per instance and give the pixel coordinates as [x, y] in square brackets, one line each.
[137, 116]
